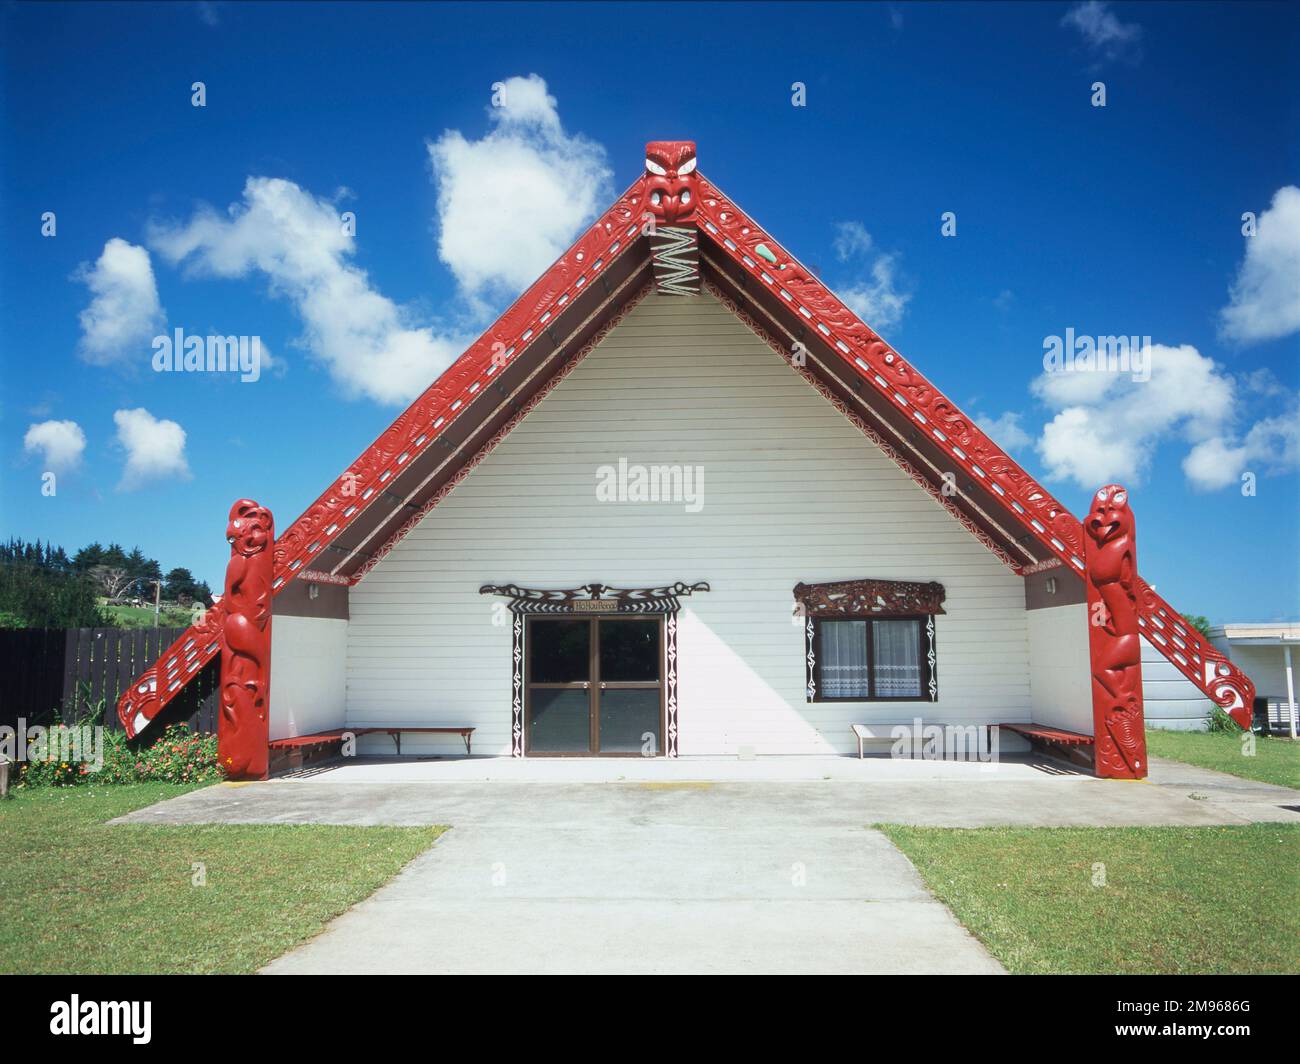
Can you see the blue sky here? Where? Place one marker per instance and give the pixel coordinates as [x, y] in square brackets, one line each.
[1117, 220]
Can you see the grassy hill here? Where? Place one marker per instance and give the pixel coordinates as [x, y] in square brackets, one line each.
[142, 616]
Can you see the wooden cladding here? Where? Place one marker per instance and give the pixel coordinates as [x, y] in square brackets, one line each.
[868, 597]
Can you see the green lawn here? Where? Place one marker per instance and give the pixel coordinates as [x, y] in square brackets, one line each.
[84, 897]
[142, 616]
[1175, 900]
[1274, 760]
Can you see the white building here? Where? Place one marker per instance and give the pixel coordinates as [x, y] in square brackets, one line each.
[680, 501]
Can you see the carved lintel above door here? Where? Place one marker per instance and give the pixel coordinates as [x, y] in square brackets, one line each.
[595, 598]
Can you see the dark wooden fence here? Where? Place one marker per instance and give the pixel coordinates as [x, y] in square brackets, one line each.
[71, 672]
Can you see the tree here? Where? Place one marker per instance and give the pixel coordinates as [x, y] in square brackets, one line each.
[113, 581]
[33, 596]
[115, 556]
[89, 557]
[181, 586]
[1201, 624]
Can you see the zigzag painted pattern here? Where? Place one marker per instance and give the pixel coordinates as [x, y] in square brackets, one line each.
[676, 260]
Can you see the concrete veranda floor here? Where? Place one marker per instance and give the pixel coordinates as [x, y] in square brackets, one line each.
[686, 866]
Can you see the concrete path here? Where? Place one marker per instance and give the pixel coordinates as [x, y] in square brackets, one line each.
[939, 794]
[648, 894]
[674, 875]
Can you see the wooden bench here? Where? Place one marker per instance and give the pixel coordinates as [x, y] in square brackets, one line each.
[294, 753]
[395, 730]
[1071, 745]
[298, 751]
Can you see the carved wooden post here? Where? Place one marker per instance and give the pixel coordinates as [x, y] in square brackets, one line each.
[243, 727]
[1114, 638]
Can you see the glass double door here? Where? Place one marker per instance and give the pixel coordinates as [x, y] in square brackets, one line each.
[594, 686]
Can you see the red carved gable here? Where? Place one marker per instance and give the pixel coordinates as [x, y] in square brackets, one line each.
[681, 196]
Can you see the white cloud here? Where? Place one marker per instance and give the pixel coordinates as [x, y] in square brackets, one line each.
[879, 299]
[1270, 446]
[1264, 300]
[1005, 430]
[851, 240]
[155, 448]
[60, 444]
[1107, 426]
[124, 313]
[300, 244]
[510, 203]
[1105, 35]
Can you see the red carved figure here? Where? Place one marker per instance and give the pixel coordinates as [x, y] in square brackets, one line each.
[243, 728]
[1114, 638]
[670, 181]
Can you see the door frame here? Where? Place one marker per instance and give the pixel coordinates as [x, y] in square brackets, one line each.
[525, 602]
[594, 685]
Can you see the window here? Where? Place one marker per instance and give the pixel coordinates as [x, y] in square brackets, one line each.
[871, 660]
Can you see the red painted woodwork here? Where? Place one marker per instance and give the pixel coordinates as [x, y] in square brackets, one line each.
[1042, 733]
[919, 478]
[243, 723]
[671, 181]
[1195, 657]
[314, 739]
[879, 365]
[686, 198]
[416, 429]
[164, 679]
[730, 232]
[1114, 637]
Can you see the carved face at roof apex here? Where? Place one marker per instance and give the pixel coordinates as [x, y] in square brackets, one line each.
[671, 180]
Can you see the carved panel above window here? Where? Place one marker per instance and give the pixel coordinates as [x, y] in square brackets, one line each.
[867, 596]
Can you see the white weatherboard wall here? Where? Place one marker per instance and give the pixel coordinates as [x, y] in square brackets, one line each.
[1170, 699]
[792, 491]
[1060, 668]
[308, 677]
[1265, 665]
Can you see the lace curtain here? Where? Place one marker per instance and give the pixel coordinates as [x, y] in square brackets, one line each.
[844, 659]
[897, 658]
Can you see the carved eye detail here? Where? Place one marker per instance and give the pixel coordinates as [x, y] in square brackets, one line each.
[688, 167]
[1101, 496]
[1121, 498]
[655, 168]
